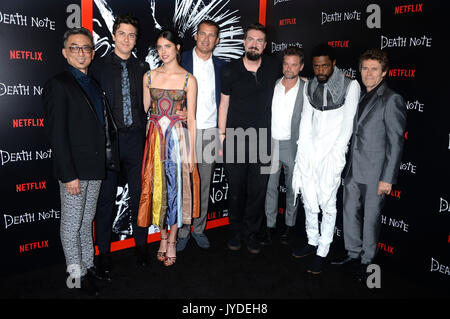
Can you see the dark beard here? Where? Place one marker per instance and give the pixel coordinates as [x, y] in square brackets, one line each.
[252, 56]
[323, 80]
[327, 77]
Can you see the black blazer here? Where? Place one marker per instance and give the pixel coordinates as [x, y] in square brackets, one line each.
[79, 142]
[102, 71]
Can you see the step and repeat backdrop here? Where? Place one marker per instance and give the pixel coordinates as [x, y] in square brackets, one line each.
[415, 234]
[415, 221]
[30, 53]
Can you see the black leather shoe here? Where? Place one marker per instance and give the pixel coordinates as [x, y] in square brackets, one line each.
[346, 261]
[103, 266]
[286, 236]
[362, 274]
[316, 266]
[88, 285]
[93, 273]
[305, 251]
[267, 240]
[142, 255]
[254, 246]
[234, 243]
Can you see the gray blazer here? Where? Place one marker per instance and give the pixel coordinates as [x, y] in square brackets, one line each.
[377, 141]
[296, 115]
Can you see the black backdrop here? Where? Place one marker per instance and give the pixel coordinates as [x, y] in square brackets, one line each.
[31, 41]
[415, 234]
[30, 52]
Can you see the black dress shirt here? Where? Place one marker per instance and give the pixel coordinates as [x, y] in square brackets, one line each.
[92, 91]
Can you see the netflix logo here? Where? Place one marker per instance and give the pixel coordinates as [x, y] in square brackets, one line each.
[25, 55]
[288, 21]
[338, 44]
[386, 248]
[402, 73]
[408, 8]
[33, 246]
[396, 193]
[31, 186]
[16, 123]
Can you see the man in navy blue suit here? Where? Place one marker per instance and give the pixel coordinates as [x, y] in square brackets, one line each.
[207, 70]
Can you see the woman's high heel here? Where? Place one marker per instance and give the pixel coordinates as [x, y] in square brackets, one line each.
[169, 261]
[161, 255]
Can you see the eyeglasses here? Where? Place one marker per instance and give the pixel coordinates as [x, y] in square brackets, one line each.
[85, 49]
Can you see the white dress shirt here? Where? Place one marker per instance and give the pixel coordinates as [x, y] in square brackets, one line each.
[206, 116]
[282, 109]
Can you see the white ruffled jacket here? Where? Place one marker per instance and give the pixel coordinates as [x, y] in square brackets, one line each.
[322, 144]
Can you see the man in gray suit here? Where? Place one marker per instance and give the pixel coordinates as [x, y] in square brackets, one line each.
[374, 161]
[287, 103]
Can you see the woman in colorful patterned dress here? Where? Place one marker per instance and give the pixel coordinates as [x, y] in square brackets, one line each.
[170, 182]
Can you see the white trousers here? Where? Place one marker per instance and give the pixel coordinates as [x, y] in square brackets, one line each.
[323, 239]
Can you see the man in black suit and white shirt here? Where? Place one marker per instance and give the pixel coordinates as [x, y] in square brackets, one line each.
[120, 74]
[83, 140]
[374, 161]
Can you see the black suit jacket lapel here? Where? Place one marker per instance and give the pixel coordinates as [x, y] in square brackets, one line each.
[73, 82]
[189, 62]
[137, 76]
[107, 78]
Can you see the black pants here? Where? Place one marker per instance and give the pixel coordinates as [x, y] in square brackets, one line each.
[246, 197]
[131, 148]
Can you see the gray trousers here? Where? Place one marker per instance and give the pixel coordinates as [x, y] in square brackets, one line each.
[286, 158]
[361, 216]
[77, 214]
[206, 150]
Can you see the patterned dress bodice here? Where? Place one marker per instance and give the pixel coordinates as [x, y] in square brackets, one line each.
[167, 102]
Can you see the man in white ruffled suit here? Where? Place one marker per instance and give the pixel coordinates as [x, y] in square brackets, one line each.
[330, 102]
